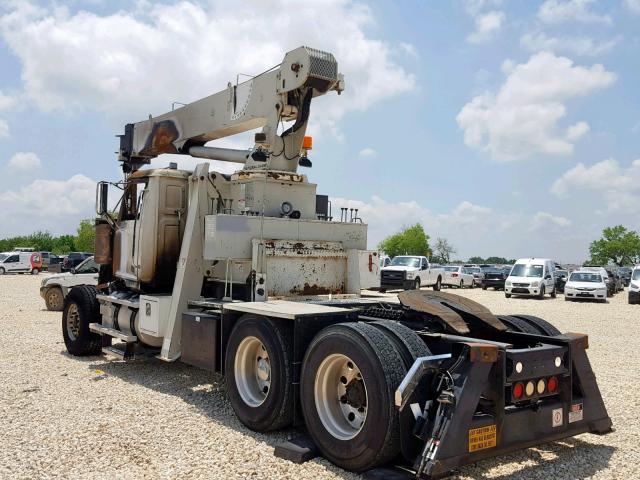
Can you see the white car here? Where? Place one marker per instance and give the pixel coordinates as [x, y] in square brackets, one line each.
[531, 277]
[457, 276]
[410, 272]
[584, 284]
[634, 286]
[54, 288]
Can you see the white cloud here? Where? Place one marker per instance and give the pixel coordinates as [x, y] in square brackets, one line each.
[633, 5]
[24, 161]
[4, 128]
[561, 11]
[487, 25]
[473, 7]
[521, 119]
[129, 65]
[584, 46]
[367, 152]
[619, 187]
[577, 131]
[7, 101]
[464, 222]
[409, 49]
[53, 205]
[545, 220]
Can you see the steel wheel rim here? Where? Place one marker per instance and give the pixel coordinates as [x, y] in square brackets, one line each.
[341, 396]
[73, 322]
[54, 299]
[252, 371]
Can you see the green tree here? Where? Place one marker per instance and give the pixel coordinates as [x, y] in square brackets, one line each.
[64, 244]
[410, 241]
[617, 245]
[86, 239]
[476, 260]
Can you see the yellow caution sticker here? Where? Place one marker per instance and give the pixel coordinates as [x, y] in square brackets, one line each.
[482, 438]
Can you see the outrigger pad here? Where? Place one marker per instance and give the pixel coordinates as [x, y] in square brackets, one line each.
[297, 450]
[450, 309]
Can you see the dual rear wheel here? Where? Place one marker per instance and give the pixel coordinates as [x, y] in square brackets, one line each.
[347, 383]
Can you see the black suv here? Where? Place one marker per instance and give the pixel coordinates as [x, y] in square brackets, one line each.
[74, 259]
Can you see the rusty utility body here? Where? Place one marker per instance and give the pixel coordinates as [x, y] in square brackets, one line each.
[248, 275]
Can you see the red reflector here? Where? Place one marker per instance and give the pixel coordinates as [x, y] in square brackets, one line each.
[518, 390]
[552, 385]
[454, 274]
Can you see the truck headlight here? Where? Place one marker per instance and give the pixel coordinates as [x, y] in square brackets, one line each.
[411, 275]
[508, 283]
[535, 284]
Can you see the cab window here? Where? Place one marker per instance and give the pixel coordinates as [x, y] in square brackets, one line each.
[12, 259]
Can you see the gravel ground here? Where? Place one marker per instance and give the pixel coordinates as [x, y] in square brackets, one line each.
[64, 417]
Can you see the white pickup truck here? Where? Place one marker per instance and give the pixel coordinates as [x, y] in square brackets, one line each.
[54, 288]
[410, 272]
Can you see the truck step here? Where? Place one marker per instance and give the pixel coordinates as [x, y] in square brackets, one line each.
[126, 353]
[112, 332]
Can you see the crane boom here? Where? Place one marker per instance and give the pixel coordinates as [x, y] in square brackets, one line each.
[281, 94]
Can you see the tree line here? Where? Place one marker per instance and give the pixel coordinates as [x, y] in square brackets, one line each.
[43, 241]
[617, 246]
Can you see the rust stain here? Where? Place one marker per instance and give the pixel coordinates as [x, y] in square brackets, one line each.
[161, 139]
[316, 290]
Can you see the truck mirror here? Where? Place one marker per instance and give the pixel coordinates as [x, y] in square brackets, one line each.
[102, 193]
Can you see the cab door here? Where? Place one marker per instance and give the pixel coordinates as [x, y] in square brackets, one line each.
[12, 264]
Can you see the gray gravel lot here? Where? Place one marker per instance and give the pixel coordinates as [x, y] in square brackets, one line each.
[64, 417]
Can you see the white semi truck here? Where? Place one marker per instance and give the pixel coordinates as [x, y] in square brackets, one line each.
[248, 275]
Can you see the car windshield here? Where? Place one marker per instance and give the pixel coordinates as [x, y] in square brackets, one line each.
[405, 262]
[474, 269]
[523, 270]
[636, 274]
[451, 269]
[585, 277]
[88, 266]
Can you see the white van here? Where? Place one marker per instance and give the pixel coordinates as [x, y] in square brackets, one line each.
[532, 277]
[20, 262]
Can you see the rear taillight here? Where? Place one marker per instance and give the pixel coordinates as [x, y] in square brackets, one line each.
[454, 274]
[552, 385]
[518, 390]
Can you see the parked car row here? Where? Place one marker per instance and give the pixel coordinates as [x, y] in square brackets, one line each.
[54, 288]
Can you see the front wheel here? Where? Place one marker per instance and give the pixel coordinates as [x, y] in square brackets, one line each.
[541, 294]
[416, 284]
[2, 271]
[259, 373]
[349, 376]
[461, 284]
[553, 293]
[507, 295]
[54, 299]
[438, 285]
[80, 309]
[35, 271]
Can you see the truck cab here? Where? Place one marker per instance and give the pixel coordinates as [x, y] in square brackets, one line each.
[409, 272]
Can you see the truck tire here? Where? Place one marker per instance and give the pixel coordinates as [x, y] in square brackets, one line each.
[544, 327]
[507, 295]
[259, 372]
[407, 342]
[516, 324]
[484, 286]
[416, 284]
[54, 299]
[438, 285]
[349, 376]
[35, 271]
[554, 293]
[541, 294]
[80, 309]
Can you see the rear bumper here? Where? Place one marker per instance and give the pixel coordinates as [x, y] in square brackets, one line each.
[483, 421]
[493, 282]
[634, 297]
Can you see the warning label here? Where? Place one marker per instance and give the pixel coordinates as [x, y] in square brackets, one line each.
[556, 417]
[482, 438]
[575, 413]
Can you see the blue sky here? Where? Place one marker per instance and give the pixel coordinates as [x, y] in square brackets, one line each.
[509, 127]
